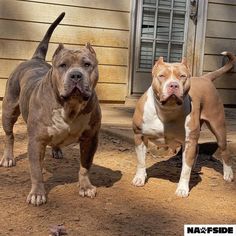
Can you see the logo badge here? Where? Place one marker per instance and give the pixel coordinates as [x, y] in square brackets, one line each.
[210, 230]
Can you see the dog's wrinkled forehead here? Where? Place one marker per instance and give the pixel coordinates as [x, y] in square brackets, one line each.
[169, 69]
[78, 56]
[164, 70]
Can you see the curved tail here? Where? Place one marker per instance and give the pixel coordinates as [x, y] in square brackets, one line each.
[217, 73]
[41, 50]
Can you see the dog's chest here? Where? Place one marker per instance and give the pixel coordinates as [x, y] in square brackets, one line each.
[155, 129]
[63, 132]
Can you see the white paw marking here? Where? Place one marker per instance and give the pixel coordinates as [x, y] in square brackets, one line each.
[140, 177]
[182, 189]
[228, 173]
[183, 185]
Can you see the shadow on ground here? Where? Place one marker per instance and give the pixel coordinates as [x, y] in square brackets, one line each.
[65, 171]
[170, 169]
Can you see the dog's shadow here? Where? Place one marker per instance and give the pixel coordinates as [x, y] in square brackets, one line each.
[65, 171]
[170, 169]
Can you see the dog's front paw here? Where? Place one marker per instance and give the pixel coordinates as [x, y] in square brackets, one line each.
[228, 173]
[182, 190]
[140, 177]
[86, 189]
[7, 161]
[37, 196]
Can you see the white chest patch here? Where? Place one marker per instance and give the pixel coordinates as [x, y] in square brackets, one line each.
[65, 132]
[171, 133]
[152, 125]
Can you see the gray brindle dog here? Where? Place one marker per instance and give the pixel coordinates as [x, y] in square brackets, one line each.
[60, 107]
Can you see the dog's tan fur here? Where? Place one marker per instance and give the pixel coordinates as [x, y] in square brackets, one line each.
[173, 109]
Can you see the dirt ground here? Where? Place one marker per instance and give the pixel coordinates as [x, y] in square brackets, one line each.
[119, 208]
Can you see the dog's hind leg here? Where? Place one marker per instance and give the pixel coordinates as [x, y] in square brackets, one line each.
[10, 113]
[192, 130]
[217, 126]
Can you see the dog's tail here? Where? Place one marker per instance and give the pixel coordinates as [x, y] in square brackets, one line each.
[41, 51]
[217, 73]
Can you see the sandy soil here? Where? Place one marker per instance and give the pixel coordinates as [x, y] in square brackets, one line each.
[119, 208]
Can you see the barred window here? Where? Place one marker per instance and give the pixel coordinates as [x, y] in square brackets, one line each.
[162, 31]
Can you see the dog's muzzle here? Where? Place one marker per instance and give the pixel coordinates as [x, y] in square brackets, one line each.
[172, 95]
[171, 100]
[76, 85]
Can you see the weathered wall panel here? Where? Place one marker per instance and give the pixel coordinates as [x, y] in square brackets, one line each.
[221, 12]
[229, 2]
[120, 5]
[22, 50]
[64, 33]
[46, 12]
[221, 36]
[2, 87]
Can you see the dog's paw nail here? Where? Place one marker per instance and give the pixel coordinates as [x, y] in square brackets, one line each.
[138, 182]
[5, 162]
[181, 192]
[82, 192]
[139, 179]
[88, 192]
[228, 174]
[229, 178]
[36, 200]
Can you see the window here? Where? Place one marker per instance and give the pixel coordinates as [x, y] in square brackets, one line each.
[162, 31]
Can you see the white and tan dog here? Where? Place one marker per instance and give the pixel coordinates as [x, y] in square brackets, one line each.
[171, 113]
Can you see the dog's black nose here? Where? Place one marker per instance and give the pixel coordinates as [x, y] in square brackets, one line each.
[76, 75]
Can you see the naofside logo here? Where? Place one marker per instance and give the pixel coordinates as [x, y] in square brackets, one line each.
[214, 230]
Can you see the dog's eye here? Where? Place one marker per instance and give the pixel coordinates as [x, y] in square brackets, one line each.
[161, 76]
[183, 76]
[87, 64]
[62, 65]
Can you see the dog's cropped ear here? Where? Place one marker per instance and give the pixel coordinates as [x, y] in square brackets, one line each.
[184, 61]
[59, 48]
[90, 48]
[160, 61]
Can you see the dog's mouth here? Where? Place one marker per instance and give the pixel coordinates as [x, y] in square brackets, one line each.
[77, 92]
[171, 100]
